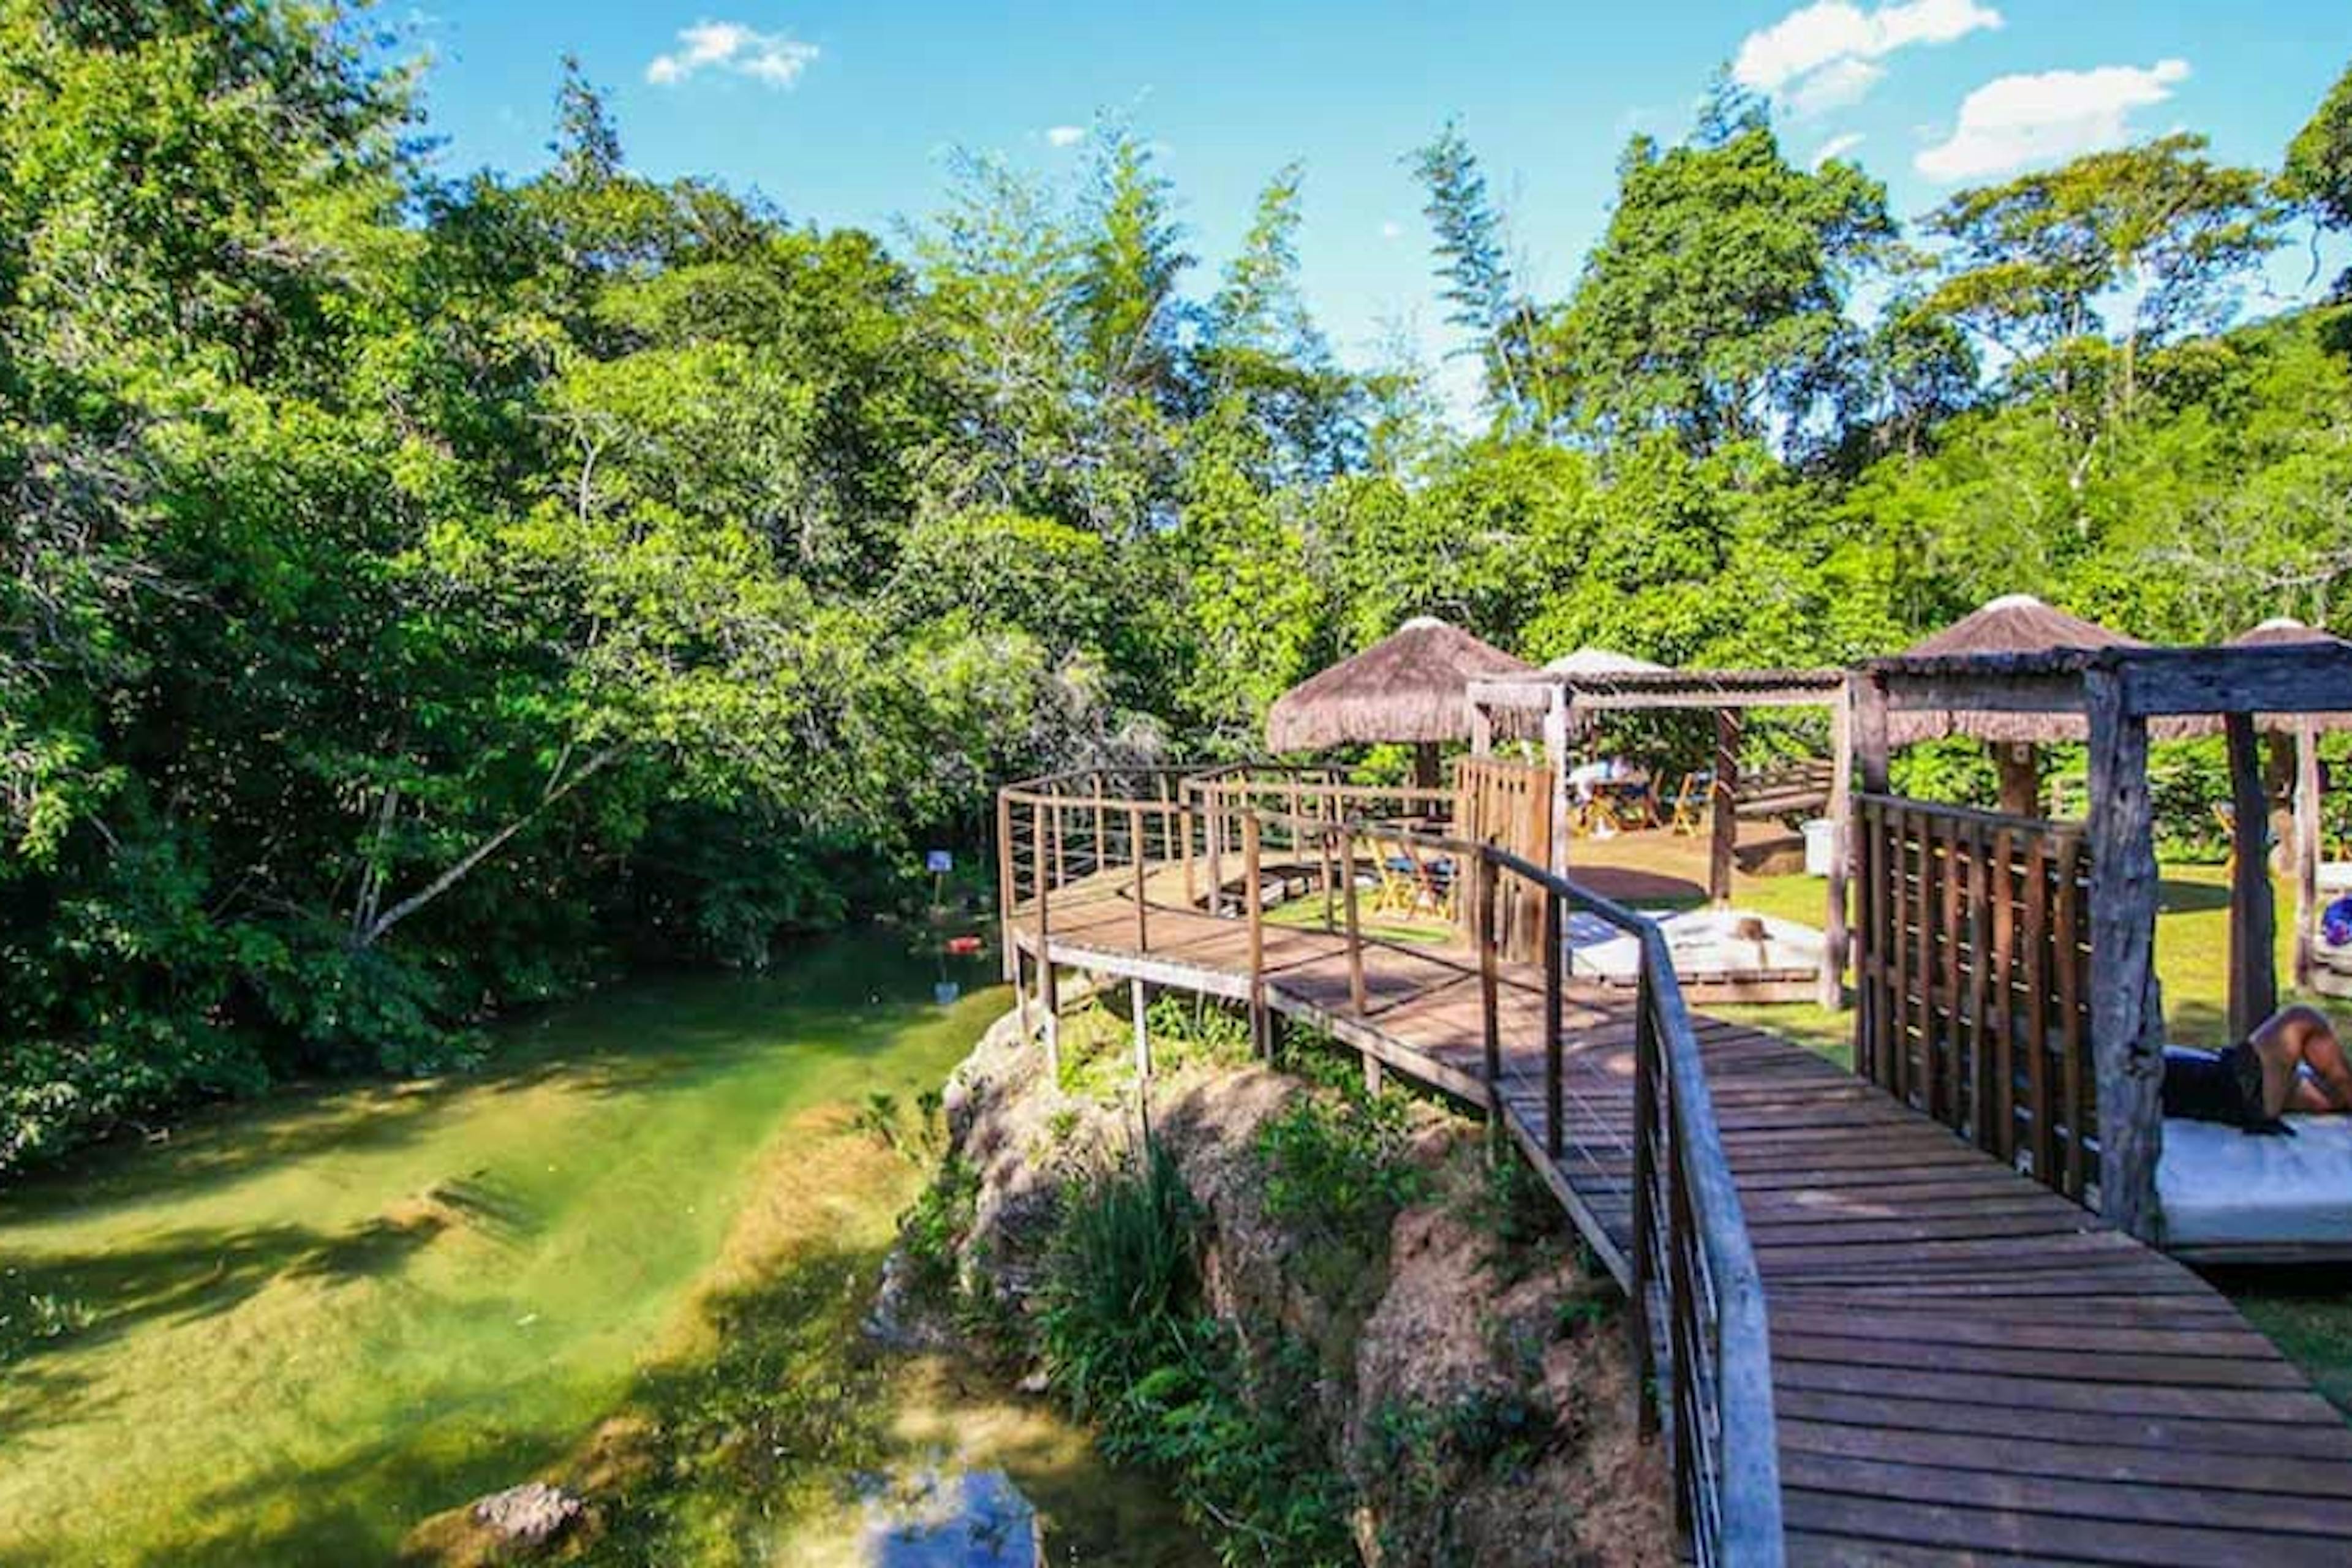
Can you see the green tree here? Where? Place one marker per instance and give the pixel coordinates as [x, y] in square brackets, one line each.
[1714, 308]
[2317, 173]
[1480, 288]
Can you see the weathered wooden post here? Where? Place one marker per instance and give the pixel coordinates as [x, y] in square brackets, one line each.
[1261, 1035]
[1836, 939]
[1355, 930]
[1102, 830]
[1490, 1020]
[1047, 825]
[1004, 901]
[1643, 1265]
[1555, 743]
[1212, 796]
[1872, 755]
[1554, 929]
[1138, 1007]
[1135, 842]
[2306, 846]
[2126, 1003]
[2254, 915]
[1724, 827]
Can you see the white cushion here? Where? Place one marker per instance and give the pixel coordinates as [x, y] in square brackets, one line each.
[2218, 1185]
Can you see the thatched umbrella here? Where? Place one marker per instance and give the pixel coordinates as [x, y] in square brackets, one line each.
[1411, 686]
[2015, 623]
[1600, 661]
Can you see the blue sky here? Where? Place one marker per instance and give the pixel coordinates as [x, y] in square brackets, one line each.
[841, 110]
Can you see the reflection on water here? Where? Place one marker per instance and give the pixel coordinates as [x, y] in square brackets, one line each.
[301, 1326]
[958, 1519]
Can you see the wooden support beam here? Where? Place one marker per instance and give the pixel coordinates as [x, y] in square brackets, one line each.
[1871, 747]
[1555, 745]
[1836, 938]
[1004, 901]
[1554, 941]
[1355, 929]
[1138, 889]
[1723, 833]
[2253, 919]
[2021, 778]
[2306, 847]
[1253, 909]
[1138, 1007]
[1485, 880]
[2128, 1004]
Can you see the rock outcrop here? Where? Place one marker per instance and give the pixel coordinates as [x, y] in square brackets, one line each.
[1477, 1390]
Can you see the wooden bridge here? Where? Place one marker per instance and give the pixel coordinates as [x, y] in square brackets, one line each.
[1871, 1341]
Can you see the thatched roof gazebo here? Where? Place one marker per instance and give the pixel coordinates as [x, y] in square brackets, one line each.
[1412, 686]
[1600, 661]
[2013, 624]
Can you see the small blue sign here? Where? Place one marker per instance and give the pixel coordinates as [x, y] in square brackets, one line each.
[938, 861]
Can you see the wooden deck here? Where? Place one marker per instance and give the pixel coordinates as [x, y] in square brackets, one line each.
[1966, 1366]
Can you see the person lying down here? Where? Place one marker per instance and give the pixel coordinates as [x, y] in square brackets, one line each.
[2294, 1062]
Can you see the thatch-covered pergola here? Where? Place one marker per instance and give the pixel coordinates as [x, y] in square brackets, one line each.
[1412, 686]
[1558, 702]
[2014, 624]
[2114, 696]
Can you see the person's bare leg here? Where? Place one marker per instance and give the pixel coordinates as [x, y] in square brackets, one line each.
[2330, 1088]
[2292, 1037]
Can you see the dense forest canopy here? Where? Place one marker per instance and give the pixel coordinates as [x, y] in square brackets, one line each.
[420, 592]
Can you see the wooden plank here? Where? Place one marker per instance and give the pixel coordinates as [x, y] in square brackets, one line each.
[2004, 894]
[2073, 1077]
[2241, 1467]
[1980, 1000]
[2038, 961]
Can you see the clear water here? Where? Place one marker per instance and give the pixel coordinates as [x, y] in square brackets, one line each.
[295, 1329]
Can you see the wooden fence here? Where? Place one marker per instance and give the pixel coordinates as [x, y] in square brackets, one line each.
[1508, 805]
[1972, 961]
[1697, 1296]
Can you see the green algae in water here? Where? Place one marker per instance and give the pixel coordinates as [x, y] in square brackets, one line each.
[299, 1327]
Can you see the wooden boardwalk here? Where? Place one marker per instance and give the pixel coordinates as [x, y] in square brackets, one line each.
[1966, 1366]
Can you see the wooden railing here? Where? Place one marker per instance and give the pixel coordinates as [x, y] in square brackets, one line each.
[1972, 962]
[1231, 840]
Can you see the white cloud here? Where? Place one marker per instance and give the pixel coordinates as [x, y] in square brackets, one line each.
[2016, 121]
[1837, 147]
[1065, 135]
[1835, 85]
[1391, 229]
[1820, 56]
[776, 60]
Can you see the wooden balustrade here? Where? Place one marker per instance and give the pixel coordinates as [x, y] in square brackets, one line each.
[1698, 1302]
[1972, 968]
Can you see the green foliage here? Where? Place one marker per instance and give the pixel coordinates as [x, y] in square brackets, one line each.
[932, 1231]
[1714, 308]
[2318, 176]
[1336, 1168]
[421, 596]
[1127, 1346]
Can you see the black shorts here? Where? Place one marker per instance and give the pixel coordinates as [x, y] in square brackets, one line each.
[2225, 1087]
